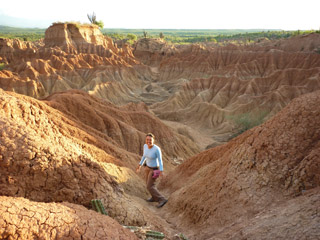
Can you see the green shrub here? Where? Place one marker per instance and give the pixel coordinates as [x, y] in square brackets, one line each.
[100, 24]
[93, 19]
[132, 36]
[246, 121]
[145, 34]
[2, 66]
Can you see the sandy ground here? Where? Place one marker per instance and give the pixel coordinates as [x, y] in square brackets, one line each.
[202, 137]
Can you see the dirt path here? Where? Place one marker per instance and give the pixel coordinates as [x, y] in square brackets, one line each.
[159, 218]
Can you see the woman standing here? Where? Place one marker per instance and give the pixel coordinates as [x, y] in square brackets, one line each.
[152, 160]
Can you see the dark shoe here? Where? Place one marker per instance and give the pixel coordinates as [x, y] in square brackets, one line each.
[150, 200]
[162, 203]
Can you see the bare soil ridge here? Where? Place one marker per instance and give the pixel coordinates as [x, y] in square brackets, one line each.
[50, 155]
[273, 166]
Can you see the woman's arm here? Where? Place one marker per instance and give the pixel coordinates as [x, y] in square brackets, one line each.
[141, 163]
[143, 159]
[159, 155]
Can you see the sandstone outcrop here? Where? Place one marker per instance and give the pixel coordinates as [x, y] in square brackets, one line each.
[152, 51]
[236, 190]
[70, 57]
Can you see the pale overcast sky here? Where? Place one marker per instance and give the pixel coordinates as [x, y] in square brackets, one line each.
[177, 14]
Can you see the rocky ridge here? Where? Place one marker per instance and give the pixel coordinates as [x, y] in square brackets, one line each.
[58, 155]
[242, 183]
[70, 57]
[222, 83]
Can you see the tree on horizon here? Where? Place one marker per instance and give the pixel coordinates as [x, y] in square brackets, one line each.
[93, 19]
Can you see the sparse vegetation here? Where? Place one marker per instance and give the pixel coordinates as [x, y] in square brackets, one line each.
[246, 121]
[2, 66]
[24, 34]
[131, 38]
[207, 35]
[93, 19]
[78, 24]
[182, 237]
[176, 36]
[145, 34]
[100, 24]
[98, 206]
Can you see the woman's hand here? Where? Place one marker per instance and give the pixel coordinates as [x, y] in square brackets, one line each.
[138, 168]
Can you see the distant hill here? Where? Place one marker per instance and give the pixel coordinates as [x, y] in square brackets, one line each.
[23, 23]
[29, 34]
[171, 35]
[185, 31]
[7, 29]
[11, 29]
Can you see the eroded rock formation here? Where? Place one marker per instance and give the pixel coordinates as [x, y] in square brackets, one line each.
[24, 219]
[197, 88]
[211, 86]
[70, 57]
[83, 138]
[242, 183]
[50, 155]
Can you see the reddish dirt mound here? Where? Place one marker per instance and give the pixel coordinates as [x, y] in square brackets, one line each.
[87, 148]
[255, 172]
[282, 221]
[44, 158]
[49, 155]
[24, 219]
[124, 126]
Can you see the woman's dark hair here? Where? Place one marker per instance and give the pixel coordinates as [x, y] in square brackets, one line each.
[150, 135]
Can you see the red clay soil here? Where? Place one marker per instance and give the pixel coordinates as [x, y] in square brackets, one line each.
[124, 126]
[255, 175]
[24, 219]
[50, 155]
